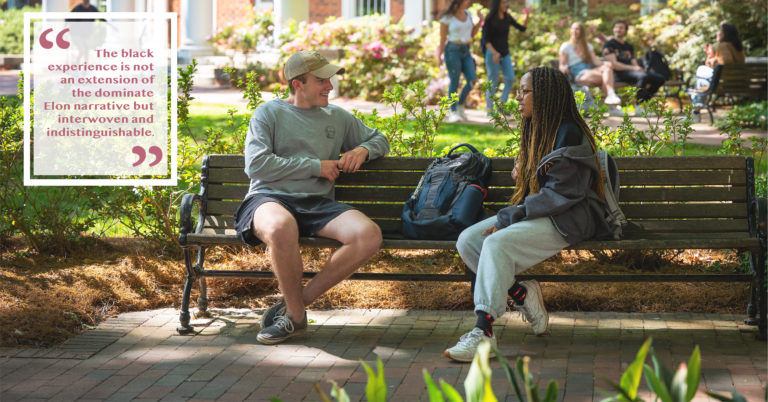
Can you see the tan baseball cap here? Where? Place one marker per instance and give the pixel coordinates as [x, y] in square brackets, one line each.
[309, 61]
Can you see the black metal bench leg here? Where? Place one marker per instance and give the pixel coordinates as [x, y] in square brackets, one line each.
[760, 283]
[185, 328]
[202, 300]
[752, 318]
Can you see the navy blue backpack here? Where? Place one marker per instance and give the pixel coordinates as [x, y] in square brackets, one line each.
[449, 196]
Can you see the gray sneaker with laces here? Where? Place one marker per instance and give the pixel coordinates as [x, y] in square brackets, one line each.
[273, 312]
[533, 307]
[283, 328]
[465, 350]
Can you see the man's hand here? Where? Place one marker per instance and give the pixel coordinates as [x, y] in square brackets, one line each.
[351, 160]
[329, 170]
[496, 57]
[490, 230]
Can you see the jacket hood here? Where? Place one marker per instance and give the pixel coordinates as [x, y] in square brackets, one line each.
[582, 154]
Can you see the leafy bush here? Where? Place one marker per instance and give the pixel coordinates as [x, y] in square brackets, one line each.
[413, 103]
[51, 219]
[377, 53]
[257, 32]
[683, 28]
[12, 29]
[750, 115]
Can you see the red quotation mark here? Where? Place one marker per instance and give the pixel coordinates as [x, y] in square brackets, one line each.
[154, 150]
[60, 42]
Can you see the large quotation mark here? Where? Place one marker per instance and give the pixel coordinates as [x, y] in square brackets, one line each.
[154, 150]
[60, 42]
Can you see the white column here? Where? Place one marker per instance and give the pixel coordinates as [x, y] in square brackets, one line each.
[51, 6]
[120, 6]
[285, 10]
[416, 12]
[196, 26]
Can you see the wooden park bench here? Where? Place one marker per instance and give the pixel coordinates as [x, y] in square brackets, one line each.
[746, 80]
[694, 202]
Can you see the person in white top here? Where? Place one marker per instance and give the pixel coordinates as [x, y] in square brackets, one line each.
[456, 32]
[578, 59]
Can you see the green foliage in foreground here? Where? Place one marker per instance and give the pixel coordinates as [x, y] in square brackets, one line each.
[665, 385]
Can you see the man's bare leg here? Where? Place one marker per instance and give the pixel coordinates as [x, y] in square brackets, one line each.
[277, 228]
[360, 238]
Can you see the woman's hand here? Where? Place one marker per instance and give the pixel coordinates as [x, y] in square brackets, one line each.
[490, 230]
[480, 15]
[709, 50]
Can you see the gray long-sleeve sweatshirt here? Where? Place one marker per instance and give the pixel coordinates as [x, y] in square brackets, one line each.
[285, 144]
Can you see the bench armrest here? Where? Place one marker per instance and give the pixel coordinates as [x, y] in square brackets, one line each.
[186, 224]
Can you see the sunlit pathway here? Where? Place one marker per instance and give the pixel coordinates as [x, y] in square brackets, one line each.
[140, 356]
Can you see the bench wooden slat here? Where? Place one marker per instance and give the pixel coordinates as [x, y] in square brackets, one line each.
[685, 211]
[742, 242]
[390, 163]
[627, 177]
[694, 226]
[628, 194]
[649, 210]
[678, 163]
[682, 178]
[636, 194]
[506, 164]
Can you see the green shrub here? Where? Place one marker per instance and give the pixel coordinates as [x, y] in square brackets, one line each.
[377, 53]
[51, 219]
[750, 115]
[12, 29]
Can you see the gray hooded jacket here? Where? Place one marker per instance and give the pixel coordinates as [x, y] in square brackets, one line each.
[565, 179]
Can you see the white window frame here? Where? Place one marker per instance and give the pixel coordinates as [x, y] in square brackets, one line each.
[349, 8]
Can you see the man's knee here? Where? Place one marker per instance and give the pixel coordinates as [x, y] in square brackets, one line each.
[276, 230]
[369, 237]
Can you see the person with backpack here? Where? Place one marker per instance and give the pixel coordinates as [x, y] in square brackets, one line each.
[621, 55]
[495, 44]
[558, 201]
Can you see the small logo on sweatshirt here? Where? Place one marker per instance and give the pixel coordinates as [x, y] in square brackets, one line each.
[330, 131]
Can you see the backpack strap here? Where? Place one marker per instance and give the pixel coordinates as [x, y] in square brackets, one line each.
[465, 145]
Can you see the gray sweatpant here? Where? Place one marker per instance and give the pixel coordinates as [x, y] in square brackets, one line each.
[497, 258]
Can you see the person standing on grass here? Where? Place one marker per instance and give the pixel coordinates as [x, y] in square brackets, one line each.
[578, 59]
[621, 55]
[456, 33]
[294, 151]
[496, 49]
[558, 201]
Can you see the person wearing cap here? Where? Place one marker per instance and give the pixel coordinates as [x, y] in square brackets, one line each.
[294, 151]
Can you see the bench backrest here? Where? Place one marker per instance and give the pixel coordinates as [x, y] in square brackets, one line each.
[663, 195]
[745, 79]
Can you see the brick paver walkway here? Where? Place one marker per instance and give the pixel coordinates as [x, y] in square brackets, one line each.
[139, 355]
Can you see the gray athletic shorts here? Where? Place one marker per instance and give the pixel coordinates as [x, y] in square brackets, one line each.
[311, 214]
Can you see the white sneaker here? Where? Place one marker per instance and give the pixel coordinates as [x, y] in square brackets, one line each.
[460, 111]
[612, 99]
[453, 117]
[465, 350]
[533, 307]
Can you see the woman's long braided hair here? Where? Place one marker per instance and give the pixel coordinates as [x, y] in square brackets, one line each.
[552, 103]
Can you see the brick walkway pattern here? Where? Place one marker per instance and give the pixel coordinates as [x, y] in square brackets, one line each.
[139, 356]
